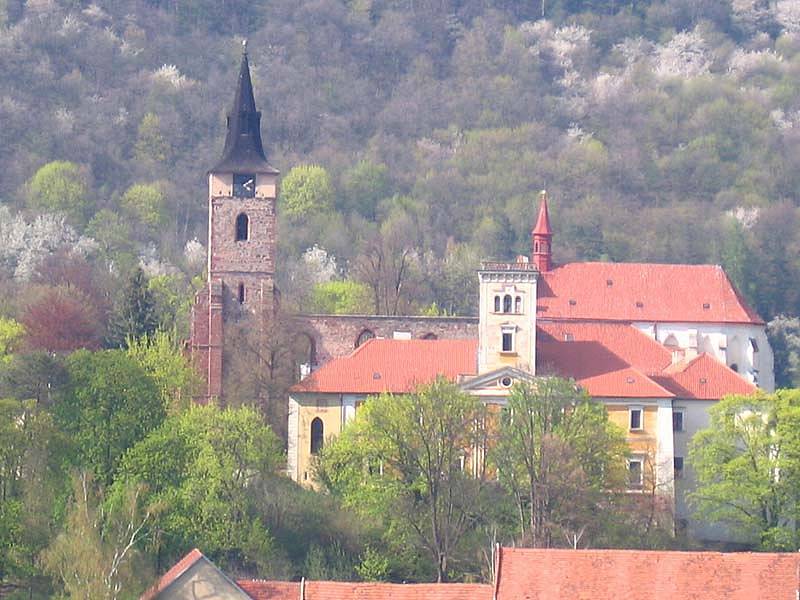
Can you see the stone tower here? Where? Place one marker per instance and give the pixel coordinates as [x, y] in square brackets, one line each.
[242, 191]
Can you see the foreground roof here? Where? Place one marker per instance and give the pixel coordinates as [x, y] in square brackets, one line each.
[529, 574]
[397, 366]
[641, 292]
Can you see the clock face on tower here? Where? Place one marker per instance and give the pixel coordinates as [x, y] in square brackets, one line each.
[244, 185]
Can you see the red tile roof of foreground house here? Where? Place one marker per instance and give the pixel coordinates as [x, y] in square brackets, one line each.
[528, 574]
[259, 589]
[178, 569]
[335, 590]
[641, 292]
[398, 366]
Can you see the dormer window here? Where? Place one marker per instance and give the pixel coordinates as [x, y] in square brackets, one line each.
[244, 185]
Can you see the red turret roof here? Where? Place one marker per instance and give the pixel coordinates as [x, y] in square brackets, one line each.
[543, 222]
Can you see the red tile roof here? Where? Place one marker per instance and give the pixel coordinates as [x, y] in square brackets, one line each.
[383, 365]
[338, 590]
[704, 378]
[641, 292]
[170, 576]
[258, 589]
[617, 360]
[528, 574]
[334, 590]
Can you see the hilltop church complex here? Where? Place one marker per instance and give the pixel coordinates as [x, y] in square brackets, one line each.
[657, 344]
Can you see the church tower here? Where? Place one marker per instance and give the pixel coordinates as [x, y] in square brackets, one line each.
[242, 192]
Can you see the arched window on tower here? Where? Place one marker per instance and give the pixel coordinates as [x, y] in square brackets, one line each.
[536, 246]
[518, 305]
[242, 227]
[507, 303]
[497, 304]
[365, 335]
[241, 293]
[317, 435]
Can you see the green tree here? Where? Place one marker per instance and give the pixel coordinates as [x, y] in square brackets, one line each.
[98, 553]
[364, 186]
[11, 334]
[341, 298]
[404, 462]
[61, 186]
[163, 359]
[109, 404]
[784, 337]
[306, 190]
[135, 313]
[151, 147]
[201, 467]
[747, 465]
[145, 203]
[559, 456]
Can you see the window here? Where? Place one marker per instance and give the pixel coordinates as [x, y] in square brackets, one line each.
[518, 305]
[677, 420]
[317, 435]
[244, 185]
[635, 472]
[506, 303]
[735, 367]
[635, 419]
[677, 463]
[365, 335]
[497, 304]
[242, 228]
[241, 293]
[507, 339]
[754, 344]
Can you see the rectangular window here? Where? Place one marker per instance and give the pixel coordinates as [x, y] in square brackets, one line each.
[635, 473]
[678, 467]
[635, 417]
[508, 342]
[677, 420]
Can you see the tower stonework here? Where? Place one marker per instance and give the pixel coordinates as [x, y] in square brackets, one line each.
[242, 192]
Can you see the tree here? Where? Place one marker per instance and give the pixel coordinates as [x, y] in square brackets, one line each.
[135, 314]
[201, 467]
[747, 464]
[62, 320]
[163, 359]
[364, 186]
[559, 456]
[341, 297]
[404, 461]
[97, 555]
[784, 337]
[60, 186]
[305, 190]
[11, 334]
[145, 203]
[109, 404]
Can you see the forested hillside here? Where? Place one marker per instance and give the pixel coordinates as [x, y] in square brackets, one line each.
[664, 131]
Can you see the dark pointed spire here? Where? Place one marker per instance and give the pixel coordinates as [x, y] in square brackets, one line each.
[243, 150]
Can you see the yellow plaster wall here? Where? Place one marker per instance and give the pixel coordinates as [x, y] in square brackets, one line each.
[644, 441]
[327, 407]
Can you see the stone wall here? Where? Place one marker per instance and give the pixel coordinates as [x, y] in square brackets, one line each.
[337, 335]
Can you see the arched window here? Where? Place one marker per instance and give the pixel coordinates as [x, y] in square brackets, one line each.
[429, 336]
[242, 228]
[365, 335]
[506, 303]
[497, 304]
[536, 246]
[518, 305]
[317, 435]
[671, 341]
[241, 293]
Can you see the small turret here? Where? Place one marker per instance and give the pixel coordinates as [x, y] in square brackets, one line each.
[541, 237]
